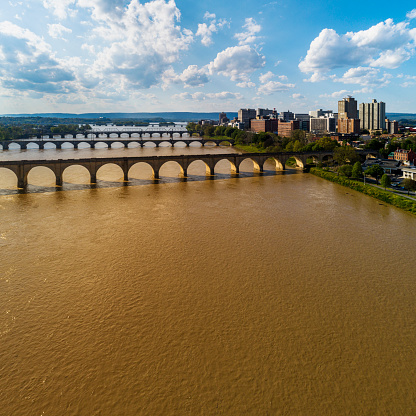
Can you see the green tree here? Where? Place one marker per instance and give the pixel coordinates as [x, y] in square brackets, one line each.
[345, 154]
[385, 181]
[297, 146]
[345, 170]
[409, 185]
[325, 143]
[375, 171]
[289, 147]
[357, 171]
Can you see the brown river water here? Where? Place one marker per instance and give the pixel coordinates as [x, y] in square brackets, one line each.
[274, 294]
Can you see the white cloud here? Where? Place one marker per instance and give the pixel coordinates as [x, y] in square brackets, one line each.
[364, 90]
[60, 8]
[411, 15]
[144, 39]
[246, 84]
[200, 96]
[384, 45]
[249, 35]
[237, 63]
[190, 77]
[391, 58]
[57, 30]
[364, 76]
[263, 78]
[336, 94]
[209, 15]
[274, 86]
[28, 63]
[297, 96]
[205, 30]
[269, 87]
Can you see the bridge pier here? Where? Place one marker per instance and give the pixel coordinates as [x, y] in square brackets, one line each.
[93, 178]
[157, 144]
[41, 146]
[59, 180]
[75, 145]
[155, 173]
[58, 146]
[5, 145]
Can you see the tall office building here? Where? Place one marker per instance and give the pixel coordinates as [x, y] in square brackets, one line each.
[373, 115]
[245, 115]
[347, 108]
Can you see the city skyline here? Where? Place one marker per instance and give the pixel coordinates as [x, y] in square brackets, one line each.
[125, 56]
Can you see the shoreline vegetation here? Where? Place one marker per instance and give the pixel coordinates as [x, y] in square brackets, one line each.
[396, 200]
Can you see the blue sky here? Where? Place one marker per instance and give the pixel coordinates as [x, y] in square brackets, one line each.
[129, 55]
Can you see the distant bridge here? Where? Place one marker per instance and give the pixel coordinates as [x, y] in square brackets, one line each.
[108, 132]
[23, 167]
[92, 142]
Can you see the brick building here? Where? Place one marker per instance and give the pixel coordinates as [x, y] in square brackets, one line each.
[405, 155]
[285, 128]
[349, 125]
[266, 125]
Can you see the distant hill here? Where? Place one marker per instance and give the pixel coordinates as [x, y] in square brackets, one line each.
[401, 116]
[168, 116]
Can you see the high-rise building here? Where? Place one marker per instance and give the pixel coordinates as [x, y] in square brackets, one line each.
[347, 108]
[223, 118]
[323, 124]
[373, 115]
[261, 112]
[303, 121]
[392, 127]
[286, 116]
[320, 113]
[245, 115]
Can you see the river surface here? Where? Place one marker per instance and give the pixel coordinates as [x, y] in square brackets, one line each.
[274, 294]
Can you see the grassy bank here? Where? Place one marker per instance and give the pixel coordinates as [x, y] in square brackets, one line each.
[388, 197]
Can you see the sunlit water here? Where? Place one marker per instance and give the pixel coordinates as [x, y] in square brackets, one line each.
[280, 294]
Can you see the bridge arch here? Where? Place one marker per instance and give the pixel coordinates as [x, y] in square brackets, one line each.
[135, 170]
[194, 163]
[183, 170]
[15, 146]
[233, 165]
[8, 175]
[109, 172]
[279, 165]
[76, 173]
[38, 175]
[94, 144]
[257, 163]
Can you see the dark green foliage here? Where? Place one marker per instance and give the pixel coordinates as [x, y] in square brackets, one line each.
[357, 171]
[385, 196]
[345, 170]
[375, 171]
[409, 185]
[385, 181]
[345, 154]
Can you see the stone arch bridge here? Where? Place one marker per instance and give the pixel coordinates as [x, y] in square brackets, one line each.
[22, 168]
[109, 141]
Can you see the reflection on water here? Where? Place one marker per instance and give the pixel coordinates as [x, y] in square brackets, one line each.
[267, 295]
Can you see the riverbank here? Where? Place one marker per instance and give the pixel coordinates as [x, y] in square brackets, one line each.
[385, 196]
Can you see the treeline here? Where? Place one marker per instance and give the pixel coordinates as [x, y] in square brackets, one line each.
[49, 121]
[268, 142]
[385, 148]
[19, 132]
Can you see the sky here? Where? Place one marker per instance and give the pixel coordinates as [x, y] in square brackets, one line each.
[79, 56]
